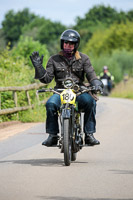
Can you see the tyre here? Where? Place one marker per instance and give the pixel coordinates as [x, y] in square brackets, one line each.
[105, 91]
[73, 156]
[67, 142]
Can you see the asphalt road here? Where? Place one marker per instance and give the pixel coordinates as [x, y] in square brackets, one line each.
[30, 171]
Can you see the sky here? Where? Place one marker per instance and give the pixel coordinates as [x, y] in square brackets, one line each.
[64, 11]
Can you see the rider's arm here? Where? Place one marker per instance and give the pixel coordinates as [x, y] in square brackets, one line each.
[88, 68]
[45, 76]
[49, 73]
[91, 75]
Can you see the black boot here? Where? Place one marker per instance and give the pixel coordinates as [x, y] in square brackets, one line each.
[90, 140]
[51, 140]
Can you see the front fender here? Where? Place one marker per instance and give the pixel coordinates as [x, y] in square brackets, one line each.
[66, 113]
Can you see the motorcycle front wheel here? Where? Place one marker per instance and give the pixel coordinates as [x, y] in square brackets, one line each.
[67, 142]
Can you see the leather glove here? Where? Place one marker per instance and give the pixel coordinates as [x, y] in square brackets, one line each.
[36, 60]
[97, 86]
[37, 63]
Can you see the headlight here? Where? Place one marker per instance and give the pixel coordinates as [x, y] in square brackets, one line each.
[76, 88]
[68, 83]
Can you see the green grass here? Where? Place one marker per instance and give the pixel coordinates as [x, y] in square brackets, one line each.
[38, 114]
[123, 90]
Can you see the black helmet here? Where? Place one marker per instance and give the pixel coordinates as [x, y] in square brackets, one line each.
[72, 36]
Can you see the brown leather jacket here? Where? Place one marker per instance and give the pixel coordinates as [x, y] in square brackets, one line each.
[59, 67]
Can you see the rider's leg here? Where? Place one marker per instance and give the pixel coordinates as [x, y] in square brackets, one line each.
[52, 127]
[90, 120]
[88, 104]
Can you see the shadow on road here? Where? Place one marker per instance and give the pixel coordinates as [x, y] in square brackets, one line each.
[39, 162]
[77, 198]
[122, 171]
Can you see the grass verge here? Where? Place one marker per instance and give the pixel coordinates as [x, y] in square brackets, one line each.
[123, 90]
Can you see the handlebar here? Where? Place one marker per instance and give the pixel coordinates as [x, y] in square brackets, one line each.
[41, 90]
[82, 89]
[50, 90]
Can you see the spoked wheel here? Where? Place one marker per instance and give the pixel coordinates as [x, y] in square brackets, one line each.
[67, 143]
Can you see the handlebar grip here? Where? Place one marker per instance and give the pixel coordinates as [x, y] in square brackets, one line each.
[42, 90]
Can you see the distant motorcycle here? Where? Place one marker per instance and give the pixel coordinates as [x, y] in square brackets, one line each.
[105, 87]
[71, 139]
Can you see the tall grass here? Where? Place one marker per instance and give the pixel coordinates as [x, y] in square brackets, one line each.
[123, 89]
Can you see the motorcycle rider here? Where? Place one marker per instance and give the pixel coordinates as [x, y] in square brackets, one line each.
[69, 62]
[105, 74]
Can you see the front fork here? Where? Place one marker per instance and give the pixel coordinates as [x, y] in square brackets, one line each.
[76, 127]
[66, 113]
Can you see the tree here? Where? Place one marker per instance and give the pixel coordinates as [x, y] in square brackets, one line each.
[46, 32]
[130, 15]
[2, 40]
[13, 23]
[99, 18]
[49, 33]
[116, 37]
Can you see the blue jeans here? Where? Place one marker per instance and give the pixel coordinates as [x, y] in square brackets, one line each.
[85, 102]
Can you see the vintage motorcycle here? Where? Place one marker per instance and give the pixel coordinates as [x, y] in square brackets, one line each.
[71, 119]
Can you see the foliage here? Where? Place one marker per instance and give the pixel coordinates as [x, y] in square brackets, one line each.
[100, 18]
[46, 32]
[26, 46]
[13, 23]
[2, 40]
[13, 71]
[6, 98]
[119, 62]
[116, 37]
[28, 24]
[106, 36]
[38, 114]
[31, 29]
[105, 15]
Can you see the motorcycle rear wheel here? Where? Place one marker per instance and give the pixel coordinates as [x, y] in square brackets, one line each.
[67, 142]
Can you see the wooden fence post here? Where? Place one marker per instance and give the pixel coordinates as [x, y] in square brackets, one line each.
[15, 98]
[0, 101]
[28, 97]
[37, 96]
[16, 101]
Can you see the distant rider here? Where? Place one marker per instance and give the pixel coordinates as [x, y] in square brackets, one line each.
[105, 74]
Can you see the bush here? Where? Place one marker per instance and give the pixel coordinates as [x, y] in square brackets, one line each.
[15, 71]
[119, 62]
[26, 46]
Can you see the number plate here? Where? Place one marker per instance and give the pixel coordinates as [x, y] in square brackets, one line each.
[68, 96]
